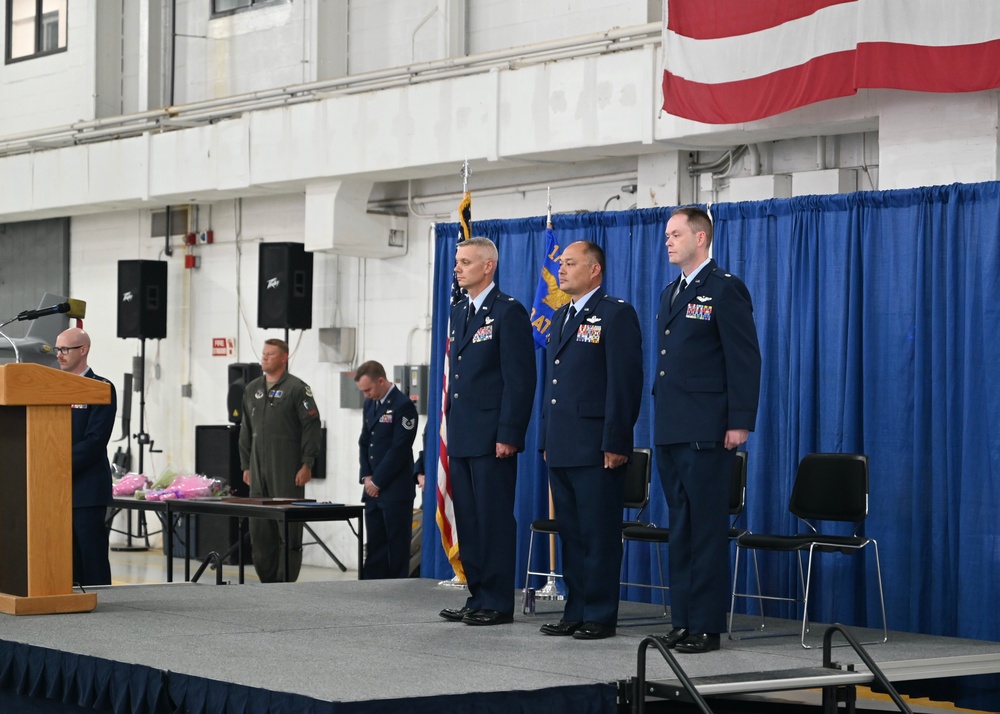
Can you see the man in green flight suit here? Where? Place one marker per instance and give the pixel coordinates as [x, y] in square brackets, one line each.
[279, 441]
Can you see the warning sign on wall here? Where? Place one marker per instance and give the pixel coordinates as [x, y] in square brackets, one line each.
[223, 347]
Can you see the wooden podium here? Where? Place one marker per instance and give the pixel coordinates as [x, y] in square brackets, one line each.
[36, 488]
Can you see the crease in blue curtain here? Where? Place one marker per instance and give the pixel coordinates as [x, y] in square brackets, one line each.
[878, 315]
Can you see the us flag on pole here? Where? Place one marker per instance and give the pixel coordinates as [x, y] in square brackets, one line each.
[732, 61]
[445, 508]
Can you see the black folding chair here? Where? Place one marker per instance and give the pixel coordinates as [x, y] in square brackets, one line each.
[828, 487]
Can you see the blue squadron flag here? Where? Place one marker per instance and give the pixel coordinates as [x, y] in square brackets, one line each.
[548, 296]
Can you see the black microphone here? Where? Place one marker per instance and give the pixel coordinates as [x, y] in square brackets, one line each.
[76, 308]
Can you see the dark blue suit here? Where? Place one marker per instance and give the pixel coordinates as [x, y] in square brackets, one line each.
[92, 427]
[490, 391]
[707, 381]
[593, 389]
[386, 454]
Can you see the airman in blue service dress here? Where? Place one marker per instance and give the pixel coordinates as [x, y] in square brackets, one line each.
[706, 389]
[491, 387]
[386, 455]
[92, 427]
[593, 390]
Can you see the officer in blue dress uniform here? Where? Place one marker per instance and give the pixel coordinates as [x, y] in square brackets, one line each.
[491, 387]
[386, 455]
[706, 387]
[92, 427]
[593, 389]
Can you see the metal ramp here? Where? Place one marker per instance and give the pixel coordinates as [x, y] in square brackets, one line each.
[837, 682]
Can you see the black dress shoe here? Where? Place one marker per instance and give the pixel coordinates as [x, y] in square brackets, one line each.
[594, 631]
[673, 637]
[698, 644]
[560, 628]
[455, 615]
[488, 617]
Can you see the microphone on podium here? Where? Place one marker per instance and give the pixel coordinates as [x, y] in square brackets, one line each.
[74, 308]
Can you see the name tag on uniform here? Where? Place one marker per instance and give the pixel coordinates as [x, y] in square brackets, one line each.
[386, 418]
[483, 333]
[589, 333]
[699, 312]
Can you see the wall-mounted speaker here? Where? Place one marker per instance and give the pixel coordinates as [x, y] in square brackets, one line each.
[284, 297]
[142, 299]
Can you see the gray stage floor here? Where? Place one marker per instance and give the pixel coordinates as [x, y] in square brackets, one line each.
[362, 641]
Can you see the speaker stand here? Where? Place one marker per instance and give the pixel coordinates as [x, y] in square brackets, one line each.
[142, 438]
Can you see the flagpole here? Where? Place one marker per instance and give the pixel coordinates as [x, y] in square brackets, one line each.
[445, 511]
[550, 591]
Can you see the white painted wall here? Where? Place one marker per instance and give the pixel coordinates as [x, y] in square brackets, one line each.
[56, 89]
[240, 53]
[498, 24]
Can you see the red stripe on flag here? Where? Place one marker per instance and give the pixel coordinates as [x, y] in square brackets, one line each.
[958, 68]
[825, 77]
[712, 19]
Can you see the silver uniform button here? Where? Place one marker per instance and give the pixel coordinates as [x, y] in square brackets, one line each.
[663, 352]
[553, 401]
[455, 395]
[665, 332]
[460, 358]
[557, 361]
[555, 381]
[662, 373]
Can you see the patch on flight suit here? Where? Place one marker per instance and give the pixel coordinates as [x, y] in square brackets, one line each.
[275, 394]
[309, 392]
[259, 394]
[483, 333]
[386, 418]
[589, 333]
[699, 312]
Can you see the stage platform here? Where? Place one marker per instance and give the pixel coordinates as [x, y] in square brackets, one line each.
[350, 646]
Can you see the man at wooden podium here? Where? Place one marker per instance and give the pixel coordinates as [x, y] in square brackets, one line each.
[92, 427]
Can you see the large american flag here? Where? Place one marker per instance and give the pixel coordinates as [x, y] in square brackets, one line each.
[732, 61]
[445, 508]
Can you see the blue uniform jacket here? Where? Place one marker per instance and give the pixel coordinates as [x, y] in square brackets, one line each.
[386, 442]
[492, 380]
[593, 383]
[92, 427]
[707, 377]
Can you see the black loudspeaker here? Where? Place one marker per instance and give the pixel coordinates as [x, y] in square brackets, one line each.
[240, 375]
[217, 455]
[142, 299]
[284, 291]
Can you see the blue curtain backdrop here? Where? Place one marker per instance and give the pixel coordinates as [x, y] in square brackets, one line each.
[877, 314]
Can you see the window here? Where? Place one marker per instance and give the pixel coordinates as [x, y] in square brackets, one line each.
[228, 7]
[35, 27]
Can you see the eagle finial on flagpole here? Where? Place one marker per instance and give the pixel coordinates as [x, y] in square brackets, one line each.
[466, 172]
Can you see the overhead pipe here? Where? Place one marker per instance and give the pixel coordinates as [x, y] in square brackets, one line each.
[618, 39]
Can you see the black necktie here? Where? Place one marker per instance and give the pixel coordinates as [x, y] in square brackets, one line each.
[471, 313]
[680, 288]
[569, 318]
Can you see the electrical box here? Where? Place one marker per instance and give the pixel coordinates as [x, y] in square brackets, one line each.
[412, 380]
[350, 396]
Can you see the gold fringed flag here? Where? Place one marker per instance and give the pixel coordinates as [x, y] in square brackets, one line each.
[445, 507]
